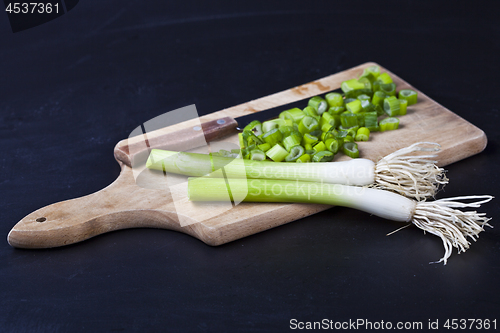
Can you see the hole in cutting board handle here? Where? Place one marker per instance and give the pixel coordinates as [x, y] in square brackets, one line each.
[41, 219]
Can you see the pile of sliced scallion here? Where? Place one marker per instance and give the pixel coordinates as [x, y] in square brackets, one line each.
[329, 124]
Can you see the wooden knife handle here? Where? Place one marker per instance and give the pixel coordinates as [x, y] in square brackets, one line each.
[135, 150]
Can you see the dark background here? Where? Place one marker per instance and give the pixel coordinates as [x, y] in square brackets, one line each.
[72, 88]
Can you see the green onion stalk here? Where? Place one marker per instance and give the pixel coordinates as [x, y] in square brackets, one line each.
[437, 217]
[416, 177]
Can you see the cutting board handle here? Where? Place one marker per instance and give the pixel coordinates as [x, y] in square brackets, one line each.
[109, 209]
[134, 151]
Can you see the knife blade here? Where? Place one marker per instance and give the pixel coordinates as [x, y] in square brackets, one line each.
[136, 153]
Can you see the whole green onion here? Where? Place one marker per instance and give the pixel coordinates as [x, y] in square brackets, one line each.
[437, 217]
[399, 171]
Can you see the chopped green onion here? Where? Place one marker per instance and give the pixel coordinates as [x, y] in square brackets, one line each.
[334, 99]
[310, 152]
[291, 141]
[367, 106]
[348, 120]
[409, 95]
[273, 136]
[257, 155]
[326, 127]
[341, 135]
[389, 124]
[323, 156]
[242, 140]
[317, 133]
[350, 149]
[277, 153]
[354, 106]
[309, 139]
[391, 106]
[270, 125]
[307, 125]
[349, 138]
[294, 114]
[250, 138]
[332, 145]
[264, 147]
[378, 98]
[351, 130]
[371, 121]
[363, 134]
[389, 89]
[310, 111]
[384, 78]
[319, 146]
[368, 86]
[319, 104]
[222, 152]
[328, 121]
[332, 133]
[371, 73]
[286, 130]
[254, 127]
[304, 158]
[326, 118]
[364, 97]
[403, 103]
[245, 153]
[286, 123]
[336, 110]
[351, 85]
[295, 153]
[380, 110]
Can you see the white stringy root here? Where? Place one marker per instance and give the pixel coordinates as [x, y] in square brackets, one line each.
[416, 177]
[451, 225]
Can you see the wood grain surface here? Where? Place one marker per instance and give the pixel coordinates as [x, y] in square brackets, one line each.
[143, 198]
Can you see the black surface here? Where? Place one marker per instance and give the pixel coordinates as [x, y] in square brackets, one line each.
[73, 87]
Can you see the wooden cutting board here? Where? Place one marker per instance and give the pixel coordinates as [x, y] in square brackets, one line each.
[125, 204]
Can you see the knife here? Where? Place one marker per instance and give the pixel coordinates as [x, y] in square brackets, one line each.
[136, 153]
